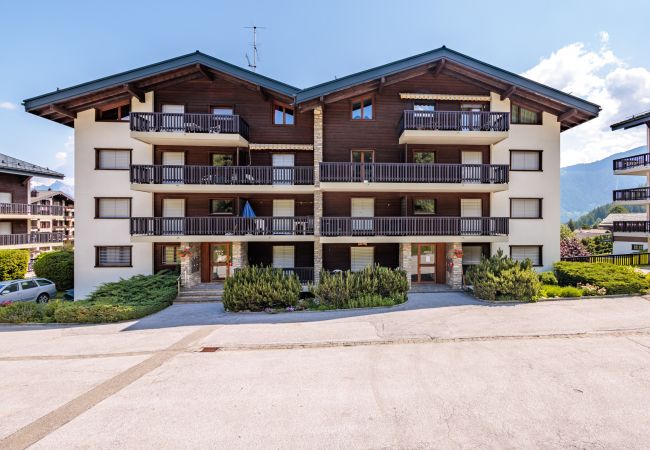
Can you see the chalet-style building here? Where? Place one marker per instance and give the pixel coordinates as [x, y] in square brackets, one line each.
[633, 235]
[425, 163]
[65, 223]
[18, 213]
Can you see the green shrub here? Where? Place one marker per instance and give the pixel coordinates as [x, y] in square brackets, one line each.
[547, 278]
[615, 279]
[257, 288]
[372, 286]
[502, 278]
[57, 266]
[553, 291]
[21, 312]
[13, 264]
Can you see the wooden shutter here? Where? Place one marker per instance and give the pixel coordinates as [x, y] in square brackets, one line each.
[361, 257]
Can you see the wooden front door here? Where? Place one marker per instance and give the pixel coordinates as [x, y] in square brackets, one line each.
[216, 261]
[428, 263]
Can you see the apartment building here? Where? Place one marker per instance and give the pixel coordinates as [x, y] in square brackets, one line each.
[17, 213]
[63, 223]
[426, 163]
[632, 234]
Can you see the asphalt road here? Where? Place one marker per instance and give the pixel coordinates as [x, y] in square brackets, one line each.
[442, 371]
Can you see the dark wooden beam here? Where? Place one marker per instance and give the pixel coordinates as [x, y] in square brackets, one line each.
[205, 72]
[382, 83]
[439, 68]
[511, 90]
[565, 116]
[357, 90]
[263, 93]
[63, 111]
[134, 91]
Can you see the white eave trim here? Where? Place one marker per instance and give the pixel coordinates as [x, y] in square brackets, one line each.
[467, 98]
[306, 147]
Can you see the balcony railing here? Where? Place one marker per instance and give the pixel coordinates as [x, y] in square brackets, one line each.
[414, 226]
[188, 123]
[31, 238]
[631, 162]
[455, 121]
[222, 175]
[31, 209]
[221, 226]
[634, 194]
[414, 173]
[635, 226]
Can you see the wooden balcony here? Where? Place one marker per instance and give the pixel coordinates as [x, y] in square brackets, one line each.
[634, 196]
[431, 228]
[222, 228]
[454, 127]
[29, 211]
[641, 227]
[31, 240]
[189, 129]
[404, 177]
[241, 179]
[632, 165]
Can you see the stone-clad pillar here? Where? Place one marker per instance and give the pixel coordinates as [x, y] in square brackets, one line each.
[454, 265]
[318, 195]
[239, 255]
[190, 264]
[318, 143]
[405, 259]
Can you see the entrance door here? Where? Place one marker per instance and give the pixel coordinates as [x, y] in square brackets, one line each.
[362, 207]
[282, 172]
[471, 172]
[173, 207]
[362, 171]
[424, 263]
[471, 208]
[283, 214]
[174, 173]
[470, 118]
[220, 261]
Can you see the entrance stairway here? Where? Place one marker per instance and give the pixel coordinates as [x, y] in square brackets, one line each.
[200, 293]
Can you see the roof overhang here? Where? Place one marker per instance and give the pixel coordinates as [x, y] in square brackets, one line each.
[632, 122]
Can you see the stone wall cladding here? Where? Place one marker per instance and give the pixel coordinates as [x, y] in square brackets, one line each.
[405, 259]
[454, 265]
[190, 267]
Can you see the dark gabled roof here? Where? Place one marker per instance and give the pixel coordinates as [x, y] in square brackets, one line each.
[15, 166]
[61, 95]
[451, 55]
[632, 122]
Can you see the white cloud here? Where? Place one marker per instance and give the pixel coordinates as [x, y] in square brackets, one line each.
[602, 78]
[8, 105]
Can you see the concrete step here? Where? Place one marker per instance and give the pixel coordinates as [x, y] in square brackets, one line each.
[203, 300]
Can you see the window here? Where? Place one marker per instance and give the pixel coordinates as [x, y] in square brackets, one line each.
[282, 114]
[44, 282]
[223, 110]
[112, 208]
[117, 113]
[362, 156]
[428, 107]
[424, 157]
[284, 256]
[222, 159]
[424, 206]
[113, 256]
[362, 109]
[112, 159]
[11, 288]
[361, 257]
[30, 284]
[222, 206]
[638, 247]
[170, 255]
[530, 160]
[526, 208]
[472, 254]
[523, 252]
[523, 116]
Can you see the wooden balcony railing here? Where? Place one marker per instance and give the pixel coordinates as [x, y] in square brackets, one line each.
[221, 226]
[635, 226]
[414, 173]
[188, 123]
[455, 121]
[31, 238]
[630, 162]
[414, 226]
[633, 194]
[222, 175]
[31, 209]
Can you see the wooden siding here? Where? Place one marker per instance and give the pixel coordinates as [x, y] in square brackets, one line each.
[198, 205]
[337, 256]
[202, 156]
[17, 185]
[261, 253]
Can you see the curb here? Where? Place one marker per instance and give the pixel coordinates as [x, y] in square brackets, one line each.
[554, 299]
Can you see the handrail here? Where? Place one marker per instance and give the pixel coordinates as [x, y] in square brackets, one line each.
[630, 162]
[455, 120]
[188, 123]
[222, 226]
[222, 175]
[642, 193]
[31, 209]
[31, 238]
[632, 226]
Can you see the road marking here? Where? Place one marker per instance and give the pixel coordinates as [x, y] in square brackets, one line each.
[40, 428]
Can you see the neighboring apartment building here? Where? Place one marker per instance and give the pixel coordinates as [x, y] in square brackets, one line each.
[64, 223]
[633, 235]
[426, 163]
[17, 213]
[622, 244]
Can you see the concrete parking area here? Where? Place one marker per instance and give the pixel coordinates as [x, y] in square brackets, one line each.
[442, 371]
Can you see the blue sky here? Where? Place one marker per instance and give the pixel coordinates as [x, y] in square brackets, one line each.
[588, 48]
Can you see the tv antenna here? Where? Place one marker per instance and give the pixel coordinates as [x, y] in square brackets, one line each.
[253, 65]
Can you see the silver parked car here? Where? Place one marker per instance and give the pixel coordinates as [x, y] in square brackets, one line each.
[40, 290]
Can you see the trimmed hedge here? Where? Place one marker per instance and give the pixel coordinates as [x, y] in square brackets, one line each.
[13, 264]
[501, 278]
[547, 278]
[372, 286]
[615, 279]
[57, 266]
[256, 288]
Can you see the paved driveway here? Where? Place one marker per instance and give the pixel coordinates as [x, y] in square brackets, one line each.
[442, 371]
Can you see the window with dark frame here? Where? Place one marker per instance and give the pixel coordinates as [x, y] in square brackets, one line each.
[112, 159]
[222, 206]
[362, 108]
[526, 160]
[424, 157]
[524, 252]
[283, 114]
[113, 256]
[118, 113]
[524, 116]
[223, 110]
[112, 208]
[222, 159]
[526, 208]
[424, 206]
[170, 255]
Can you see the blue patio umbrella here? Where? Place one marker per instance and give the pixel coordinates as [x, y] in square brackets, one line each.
[248, 210]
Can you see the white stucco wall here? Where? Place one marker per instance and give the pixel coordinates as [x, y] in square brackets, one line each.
[91, 183]
[622, 248]
[544, 184]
